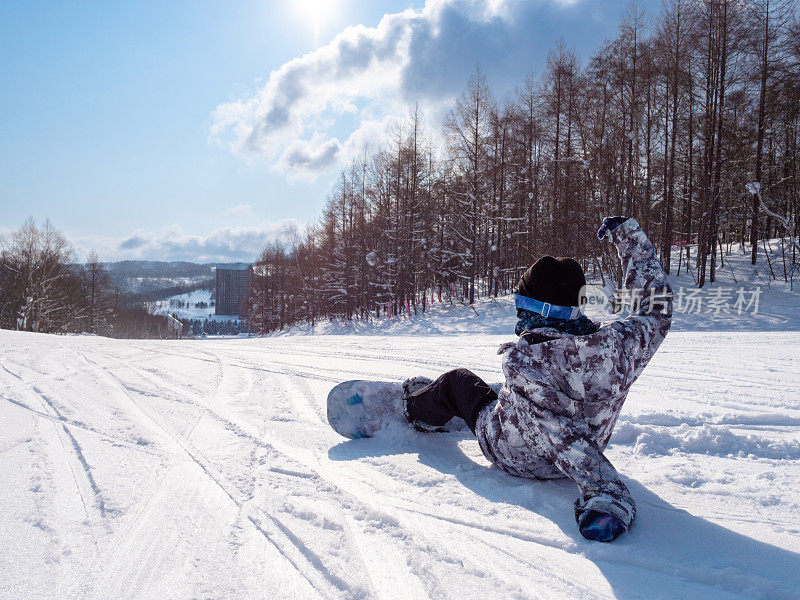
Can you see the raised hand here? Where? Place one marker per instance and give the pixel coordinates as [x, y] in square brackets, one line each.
[609, 224]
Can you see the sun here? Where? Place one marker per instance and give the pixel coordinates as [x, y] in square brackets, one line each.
[315, 12]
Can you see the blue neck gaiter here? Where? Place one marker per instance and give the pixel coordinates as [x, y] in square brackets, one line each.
[528, 321]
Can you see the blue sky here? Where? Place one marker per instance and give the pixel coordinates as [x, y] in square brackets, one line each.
[198, 130]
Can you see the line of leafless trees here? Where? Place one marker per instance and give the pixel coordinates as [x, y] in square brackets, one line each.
[688, 122]
[43, 290]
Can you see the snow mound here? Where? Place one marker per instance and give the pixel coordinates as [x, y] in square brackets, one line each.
[707, 439]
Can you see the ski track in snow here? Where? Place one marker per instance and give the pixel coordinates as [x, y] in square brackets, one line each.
[206, 469]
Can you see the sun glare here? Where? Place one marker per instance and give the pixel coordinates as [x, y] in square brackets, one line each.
[314, 12]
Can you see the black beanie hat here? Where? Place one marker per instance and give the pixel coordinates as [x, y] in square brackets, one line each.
[554, 280]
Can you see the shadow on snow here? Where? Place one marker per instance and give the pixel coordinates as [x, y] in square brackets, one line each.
[669, 553]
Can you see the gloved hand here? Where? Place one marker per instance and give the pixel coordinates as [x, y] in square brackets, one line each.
[600, 527]
[610, 224]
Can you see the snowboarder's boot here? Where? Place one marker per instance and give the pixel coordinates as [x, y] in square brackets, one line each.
[410, 386]
[457, 393]
[600, 527]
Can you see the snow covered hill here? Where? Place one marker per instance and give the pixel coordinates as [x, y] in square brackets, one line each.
[206, 469]
[184, 305]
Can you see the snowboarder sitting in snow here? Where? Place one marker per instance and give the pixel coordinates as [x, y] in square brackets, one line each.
[566, 380]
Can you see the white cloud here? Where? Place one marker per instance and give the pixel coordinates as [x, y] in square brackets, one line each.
[302, 159]
[371, 74]
[227, 244]
[240, 210]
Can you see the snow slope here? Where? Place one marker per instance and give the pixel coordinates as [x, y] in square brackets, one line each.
[205, 469]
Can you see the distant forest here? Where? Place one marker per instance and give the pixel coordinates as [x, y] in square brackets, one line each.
[688, 122]
[43, 290]
[158, 291]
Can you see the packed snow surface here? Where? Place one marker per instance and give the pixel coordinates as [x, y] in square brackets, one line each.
[206, 469]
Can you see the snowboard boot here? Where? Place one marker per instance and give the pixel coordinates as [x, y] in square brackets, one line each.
[413, 384]
[457, 393]
[410, 386]
[600, 527]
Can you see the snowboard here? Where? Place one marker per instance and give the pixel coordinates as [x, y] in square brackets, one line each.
[358, 408]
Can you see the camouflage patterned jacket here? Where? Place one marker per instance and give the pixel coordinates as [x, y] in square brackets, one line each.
[562, 396]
